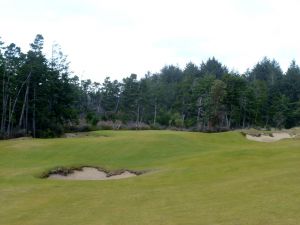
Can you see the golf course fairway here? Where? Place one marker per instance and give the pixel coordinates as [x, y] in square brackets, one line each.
[191, 178]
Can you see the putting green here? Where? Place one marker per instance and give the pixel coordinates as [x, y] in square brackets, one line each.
[194, 178]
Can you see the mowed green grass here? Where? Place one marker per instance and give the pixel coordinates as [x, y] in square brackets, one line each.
[194, 178]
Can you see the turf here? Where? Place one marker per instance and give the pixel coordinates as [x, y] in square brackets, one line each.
[193, 178]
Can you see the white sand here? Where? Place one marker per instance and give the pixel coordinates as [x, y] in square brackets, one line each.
[88, 173]
[267, 138]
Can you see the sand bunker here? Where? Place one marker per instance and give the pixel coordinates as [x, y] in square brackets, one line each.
[90, 173]
[268, 138]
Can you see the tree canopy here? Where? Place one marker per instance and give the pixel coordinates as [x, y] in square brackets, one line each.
[42, 98]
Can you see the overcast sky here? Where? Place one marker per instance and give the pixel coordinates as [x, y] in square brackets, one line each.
[118, 37]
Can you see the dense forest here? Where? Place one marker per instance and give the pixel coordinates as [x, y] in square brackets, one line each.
[40, 97]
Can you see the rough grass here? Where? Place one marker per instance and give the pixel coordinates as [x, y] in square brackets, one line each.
[200, 179]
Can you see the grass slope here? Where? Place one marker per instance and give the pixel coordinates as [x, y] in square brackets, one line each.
[201, 179]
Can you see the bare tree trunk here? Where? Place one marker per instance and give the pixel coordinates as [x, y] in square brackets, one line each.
[199, 104]
[182, 113]
[141, 115]
[267, 122]
[182, 119]
[155, 112]
[256, 114]
[198, 115]
[9, 112]
[141, 119]
[4, 103]
[26, 120]
[24, 104]
[33, 116]
[117, 105]
[4, 109]
[228, 121]
[14, 106]
[137, 117]
[98, 106]
[244, 119]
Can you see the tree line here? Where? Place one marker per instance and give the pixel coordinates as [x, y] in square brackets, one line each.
[42, 98]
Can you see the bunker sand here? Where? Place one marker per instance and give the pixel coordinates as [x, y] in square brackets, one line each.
[89, 173]
[268, 138]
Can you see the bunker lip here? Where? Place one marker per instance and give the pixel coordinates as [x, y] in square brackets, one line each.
[272, 137]
[89, 173]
